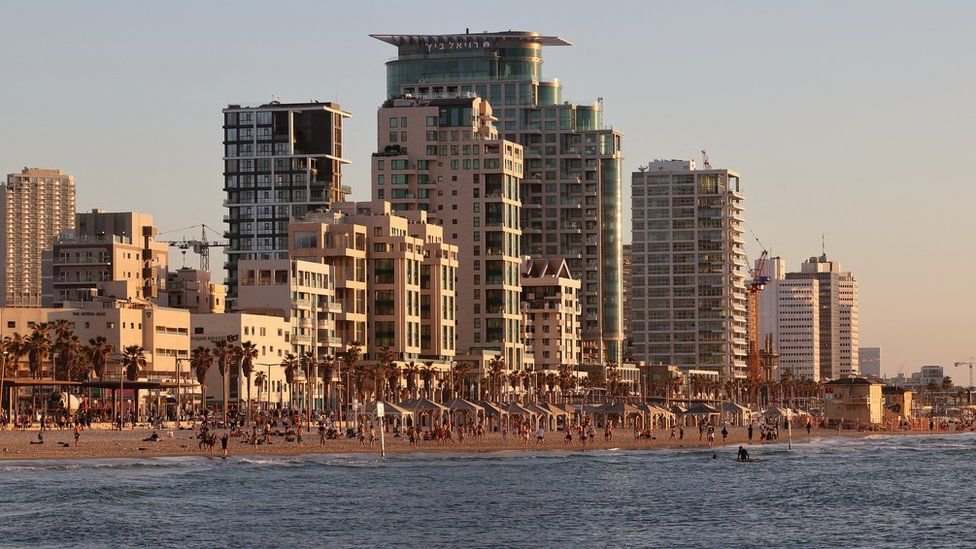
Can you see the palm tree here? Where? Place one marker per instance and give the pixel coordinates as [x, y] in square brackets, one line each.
[460, 372]
[386, 357]
[410, 372]
[5, 349]
[496, 369]
[99, 349]
[133, 360]
[201, 359]
[349, 361]
[224, 353]
[290, 364]
[427, 374]
[260, 381]
[327, 370]
[248, 352]
[38, 349]
[309, 363]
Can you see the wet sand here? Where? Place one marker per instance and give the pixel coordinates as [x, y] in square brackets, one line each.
[107, 443]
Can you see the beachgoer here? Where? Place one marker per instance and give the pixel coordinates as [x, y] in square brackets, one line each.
[539, 434]
[750, 432]
[223, 444]
[725, 434]
[77, 434]
[743, 454]
[809, 427]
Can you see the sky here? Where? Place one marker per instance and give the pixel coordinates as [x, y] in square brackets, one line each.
[851, 120]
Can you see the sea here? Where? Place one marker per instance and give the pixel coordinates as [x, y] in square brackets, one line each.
[878, 491]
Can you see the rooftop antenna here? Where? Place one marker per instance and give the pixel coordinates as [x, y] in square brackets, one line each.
[823, 244]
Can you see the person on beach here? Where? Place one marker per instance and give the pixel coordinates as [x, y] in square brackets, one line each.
[569, 436]
[321, 434]
[725, 434]
[223, 445]
[711, 435]
[681, 432]
[361, 435]
[672, 437]
[539, 435]
[809, 427]
[749, 431]
[77, 434]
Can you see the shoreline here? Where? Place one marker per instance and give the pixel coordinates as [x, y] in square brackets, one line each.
[109, 444]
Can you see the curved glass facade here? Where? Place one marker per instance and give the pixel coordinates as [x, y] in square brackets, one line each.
[461, 66]
[611, 258]
[550, 93]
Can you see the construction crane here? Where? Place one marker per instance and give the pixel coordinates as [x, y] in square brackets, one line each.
[758, 282]
[705, 163]
[200, 246]
[972, 360]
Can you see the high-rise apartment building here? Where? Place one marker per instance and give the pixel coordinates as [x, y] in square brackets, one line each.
[789, 315]
[280, 161]
[869, 360]
[443, 157]
[688, 296]
[571, 190]
[811, 315]
[838, 315]
[550, 305]
[395, 278]
[35, 205]
[112, 253]
[627, 261]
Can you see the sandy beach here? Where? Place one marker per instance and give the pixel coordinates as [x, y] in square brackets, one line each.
[106, 443]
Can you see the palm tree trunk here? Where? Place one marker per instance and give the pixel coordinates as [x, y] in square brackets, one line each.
[225, 388]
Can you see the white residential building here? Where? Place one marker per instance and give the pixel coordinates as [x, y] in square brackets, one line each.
[688, 294]
[789, 313]
[812, 318]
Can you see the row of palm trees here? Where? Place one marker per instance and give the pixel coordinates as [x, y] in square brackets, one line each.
[55, 352]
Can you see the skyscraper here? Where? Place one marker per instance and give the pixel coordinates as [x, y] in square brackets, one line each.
[789, 314]
[444, 156]
[837, 303]
[571, 190]
[36, 205]
[280, 160]
[688, 294]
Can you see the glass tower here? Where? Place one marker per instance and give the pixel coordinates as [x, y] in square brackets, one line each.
[571, 189]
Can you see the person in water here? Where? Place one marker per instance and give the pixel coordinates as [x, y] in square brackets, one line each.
[743, 454]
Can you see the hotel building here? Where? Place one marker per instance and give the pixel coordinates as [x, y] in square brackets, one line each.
[443, 157]
[36, 205]
[688, 287]
[571, 188]
[280, 160]
[270, 335]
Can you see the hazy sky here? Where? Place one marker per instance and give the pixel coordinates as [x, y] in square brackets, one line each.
[853, 119]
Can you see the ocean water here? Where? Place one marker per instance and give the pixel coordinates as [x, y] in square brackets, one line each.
[902, 491]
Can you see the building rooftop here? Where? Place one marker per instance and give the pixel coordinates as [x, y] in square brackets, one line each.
[486, 39]
[278, 105]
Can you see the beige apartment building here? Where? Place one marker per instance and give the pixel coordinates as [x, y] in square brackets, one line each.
[551, 308]
[194, 290]
[114, 253]
[36, 205]
[270, 335]
[395, 277]
[163, 333]
[443, 156]
[301, 292]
